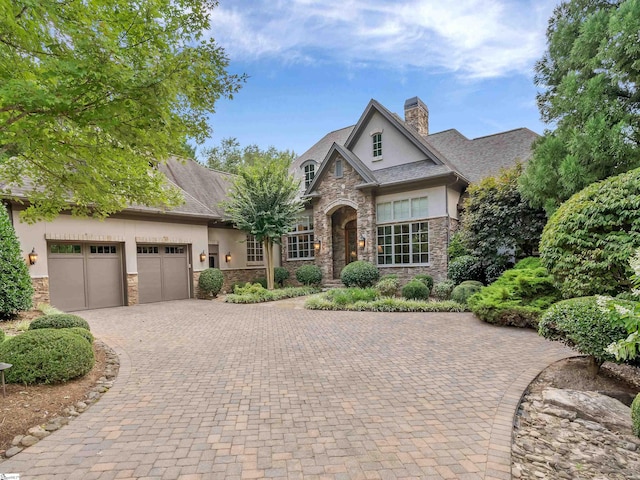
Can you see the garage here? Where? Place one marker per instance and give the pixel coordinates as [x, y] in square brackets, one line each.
[163, 273]
[85, 275]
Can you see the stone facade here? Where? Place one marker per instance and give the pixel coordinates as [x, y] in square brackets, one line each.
[132, 289]
[240, 276]
[292, 266]
[416, 114]
[40, 291]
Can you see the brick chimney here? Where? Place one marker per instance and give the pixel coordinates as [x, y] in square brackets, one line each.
[416, 114]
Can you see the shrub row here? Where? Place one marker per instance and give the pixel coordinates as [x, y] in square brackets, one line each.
[386, 304]
[59, 320]
[256, 293]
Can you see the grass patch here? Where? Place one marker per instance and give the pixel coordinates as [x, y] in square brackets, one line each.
[366, 300]
[256, 293]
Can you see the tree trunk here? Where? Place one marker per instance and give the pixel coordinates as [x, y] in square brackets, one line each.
[594, 367]
[268, 253]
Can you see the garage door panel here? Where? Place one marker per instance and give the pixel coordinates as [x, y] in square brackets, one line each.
[104, 282]
[163, 273]
[175, 278]
[149, 279]
[66, 283]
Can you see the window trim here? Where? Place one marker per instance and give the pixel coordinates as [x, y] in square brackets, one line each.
[410, 218]
[376, 138]
[392, 245]
[252, 242]
[338, 172]
[306, 164]
[296, 234]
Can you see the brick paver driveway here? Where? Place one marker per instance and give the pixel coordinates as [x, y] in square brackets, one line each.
[210, 390]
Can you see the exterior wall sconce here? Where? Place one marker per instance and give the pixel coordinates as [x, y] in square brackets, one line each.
[227, 257]
[33, 257]
[203, 256]
[380, 249]
[362, 242]
[317, 244]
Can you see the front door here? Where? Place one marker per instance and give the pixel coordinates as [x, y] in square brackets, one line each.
[351, 242]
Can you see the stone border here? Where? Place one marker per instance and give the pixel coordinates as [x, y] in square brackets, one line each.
[104, 383]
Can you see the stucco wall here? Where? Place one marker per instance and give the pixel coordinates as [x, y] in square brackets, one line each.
[230, 240]
[436, 199]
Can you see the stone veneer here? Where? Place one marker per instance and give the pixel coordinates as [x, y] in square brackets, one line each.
[132, 289]
[40, 291]
[292, 266]
[240, 276]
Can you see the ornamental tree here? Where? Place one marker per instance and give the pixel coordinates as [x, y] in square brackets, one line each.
[229, 157]
[94, 93]
[589, 79]
[263, 202]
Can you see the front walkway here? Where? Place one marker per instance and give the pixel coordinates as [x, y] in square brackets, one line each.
[210, 390]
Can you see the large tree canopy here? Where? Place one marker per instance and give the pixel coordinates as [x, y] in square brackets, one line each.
[263, 202]
[589, 78]
[230, 157]
[93, 93]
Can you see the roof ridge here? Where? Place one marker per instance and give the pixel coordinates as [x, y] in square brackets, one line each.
[506, 131]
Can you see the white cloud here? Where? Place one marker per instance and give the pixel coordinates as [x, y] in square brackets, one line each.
[473, 38]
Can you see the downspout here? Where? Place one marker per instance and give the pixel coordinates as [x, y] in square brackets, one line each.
[446, 195]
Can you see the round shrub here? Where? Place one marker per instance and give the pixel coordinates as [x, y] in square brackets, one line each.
[280, 274]
[442, 290]
[415, 290]
[635, 415]
[262, 281]
[309, 275]
[83, 332]
[426, 279]
[463, 291]
[388, 287]
[59, 320]
[210, 281]
[588, 241]
[46, 355]
[466, 267]
[360, 274]
[579, 323]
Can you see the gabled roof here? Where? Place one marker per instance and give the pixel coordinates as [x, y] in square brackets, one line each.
[351, 158]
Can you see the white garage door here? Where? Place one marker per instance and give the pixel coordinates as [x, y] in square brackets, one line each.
[163, 273]
[85, 275]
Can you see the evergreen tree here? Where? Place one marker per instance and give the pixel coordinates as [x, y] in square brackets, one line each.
[16, 290]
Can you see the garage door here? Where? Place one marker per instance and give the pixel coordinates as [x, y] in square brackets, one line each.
[163, 273]
[85, 275]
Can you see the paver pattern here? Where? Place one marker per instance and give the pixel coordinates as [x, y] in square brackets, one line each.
[209, 390]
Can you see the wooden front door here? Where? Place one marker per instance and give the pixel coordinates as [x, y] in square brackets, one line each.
[351, 242]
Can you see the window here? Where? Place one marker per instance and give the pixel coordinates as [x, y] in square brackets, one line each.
[405, 209]
[174, 250]
[309, 173]
[377, 145]
[338, 172]
[300, 240]
[403, 244]
[254, 250]
[65, 248]
[147, 249]
[103, 249]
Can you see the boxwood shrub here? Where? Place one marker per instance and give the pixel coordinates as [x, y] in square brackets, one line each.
[518, 297]
[309, 275]
[462, 292]
[582, 325]
[360, 274]
[635, 415]
[83, 332]
[466, 267]
[210, 281]
[442, 290]
[388, 287]
[280, 275]
[415, 290]
[46, 355]
[426, 279]
[59, 320]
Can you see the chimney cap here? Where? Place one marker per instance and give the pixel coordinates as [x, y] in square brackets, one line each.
[414, 102]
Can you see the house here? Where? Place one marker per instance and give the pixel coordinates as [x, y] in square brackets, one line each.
[142, 254]
[388, 191]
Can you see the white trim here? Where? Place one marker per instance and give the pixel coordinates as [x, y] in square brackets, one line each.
[83, 237]
[340, 202]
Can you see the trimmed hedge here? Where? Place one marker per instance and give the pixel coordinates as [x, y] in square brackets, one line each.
[360, 274]
[518, 297]
[210, 281]
[582, 325]
[59, 320]
[426, 279]
[415, 290]
[83, 332]
[462, 292]
[588, 241]
[442, 290]
[280, 275]
[386, 304]
[256, 293]
[309, 275]
[388, 287]
[46, 355]
[635, 415]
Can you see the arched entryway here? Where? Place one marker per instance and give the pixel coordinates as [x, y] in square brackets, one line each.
[344, 235]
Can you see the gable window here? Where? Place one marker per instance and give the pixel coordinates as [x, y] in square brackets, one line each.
[377, 144]
[338, 172]
[254, 249]
[309, 173]
[300, 240]
[403, 240]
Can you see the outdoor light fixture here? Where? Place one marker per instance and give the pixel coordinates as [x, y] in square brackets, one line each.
[33, 257]
[317, 244]
[203, 256]
[380, 249]
[227, 257]
[362, 242]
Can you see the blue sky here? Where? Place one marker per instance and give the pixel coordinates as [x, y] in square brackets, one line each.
[314, 65]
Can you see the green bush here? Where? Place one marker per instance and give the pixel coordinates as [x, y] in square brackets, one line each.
[83, 332]
[518, 297]
[345, 296]
[415, 290]
[309, 275]
[280, 275]
[426, 279]
[210, 281]
[388, 287]
[384, 304]
[46, 355]
[256, 293]
[464, 268]
[16, 289]
[462, 292]
[581, 324]
[635, 415]
[442, 290]
[261, 281]
[2, 335]
[360, 274]
[457, 246]
[59, 320]
[587, 242]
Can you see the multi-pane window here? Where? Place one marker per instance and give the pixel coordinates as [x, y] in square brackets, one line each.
[174, 250]
[309, 173]
[254, 250]
[338, 172]
[147, 249]
[65, 248]
[103, 249]
[300, 240]
[404, 243]
[406, 209]
[377, 145]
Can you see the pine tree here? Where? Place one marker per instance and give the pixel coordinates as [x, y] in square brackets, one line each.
[16, 290]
